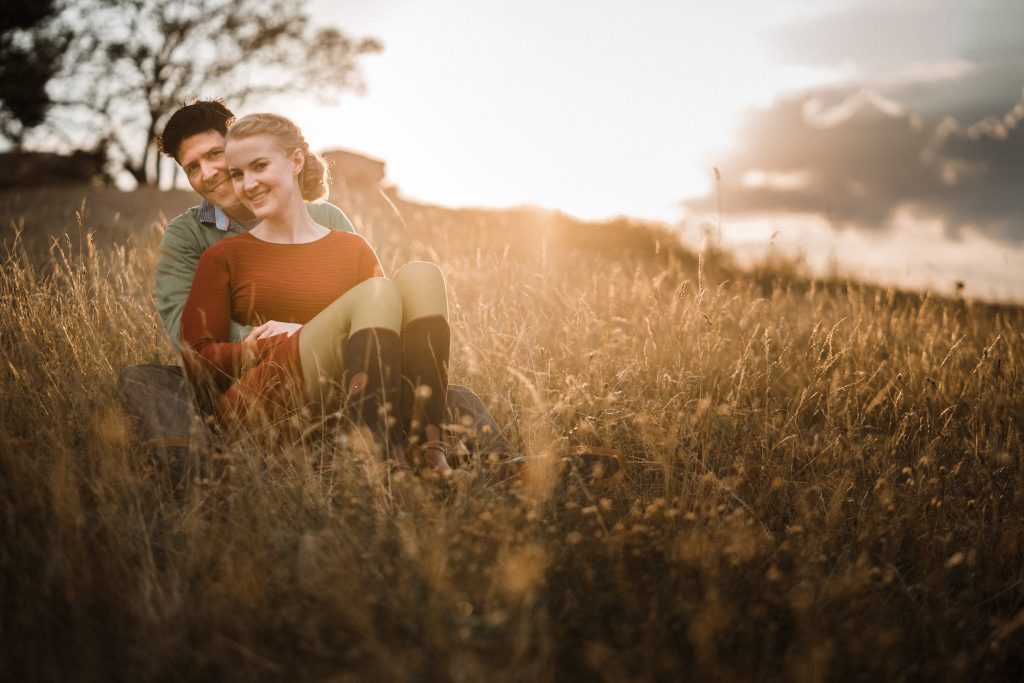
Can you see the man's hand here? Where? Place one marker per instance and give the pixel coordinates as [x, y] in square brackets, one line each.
[272, 328]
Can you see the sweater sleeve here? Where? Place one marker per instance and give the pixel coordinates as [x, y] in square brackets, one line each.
[368, 261]
[206, 320]
[206, 327]
[176, 263]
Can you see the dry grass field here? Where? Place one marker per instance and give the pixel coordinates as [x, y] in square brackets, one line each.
[823, 479]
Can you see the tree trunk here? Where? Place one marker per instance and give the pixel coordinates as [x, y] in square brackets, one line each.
[138, 173]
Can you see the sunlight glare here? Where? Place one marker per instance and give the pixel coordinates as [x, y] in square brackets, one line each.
[581, 107]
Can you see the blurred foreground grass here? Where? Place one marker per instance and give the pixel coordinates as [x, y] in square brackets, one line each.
[823, 480]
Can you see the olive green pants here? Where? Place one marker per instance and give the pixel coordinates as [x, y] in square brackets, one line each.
[416, 291]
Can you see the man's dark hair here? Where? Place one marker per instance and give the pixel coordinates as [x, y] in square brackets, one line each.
[197, 117]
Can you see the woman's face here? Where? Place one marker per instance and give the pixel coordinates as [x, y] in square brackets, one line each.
[264, 177]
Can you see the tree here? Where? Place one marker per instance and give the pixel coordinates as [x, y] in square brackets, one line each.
[31, 47]
[133, 62]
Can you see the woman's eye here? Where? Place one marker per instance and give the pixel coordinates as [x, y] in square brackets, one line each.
[235, 175]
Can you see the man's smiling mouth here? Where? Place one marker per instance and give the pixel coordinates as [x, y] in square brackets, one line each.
[214, 189]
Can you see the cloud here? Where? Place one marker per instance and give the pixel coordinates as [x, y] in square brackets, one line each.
[878, 36]
[870, 38]
[926, 128]
[982, 171]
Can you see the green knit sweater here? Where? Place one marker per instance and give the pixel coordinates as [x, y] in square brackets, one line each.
[185, 240]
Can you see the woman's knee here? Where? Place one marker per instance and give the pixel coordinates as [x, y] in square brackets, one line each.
[423, 290]
[416, 275]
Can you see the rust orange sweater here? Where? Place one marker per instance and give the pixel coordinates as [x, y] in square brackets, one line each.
[252, 281]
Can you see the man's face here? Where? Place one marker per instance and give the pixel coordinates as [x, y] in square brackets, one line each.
[202, 158]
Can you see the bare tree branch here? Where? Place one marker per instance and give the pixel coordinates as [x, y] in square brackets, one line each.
[133, 62]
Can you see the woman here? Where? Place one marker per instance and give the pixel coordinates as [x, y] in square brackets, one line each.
[330, 330]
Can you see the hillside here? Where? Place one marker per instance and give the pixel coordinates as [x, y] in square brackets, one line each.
[823, 479]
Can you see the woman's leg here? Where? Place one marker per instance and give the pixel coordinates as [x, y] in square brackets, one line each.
[351, 353]
[426, 341]
[422, 288]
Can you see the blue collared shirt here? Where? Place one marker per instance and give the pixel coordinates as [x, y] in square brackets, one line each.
[211, 214]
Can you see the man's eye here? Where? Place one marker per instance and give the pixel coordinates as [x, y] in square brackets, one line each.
[215, 153]
[191, 170]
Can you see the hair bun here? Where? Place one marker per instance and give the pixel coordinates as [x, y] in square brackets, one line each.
[315, 179]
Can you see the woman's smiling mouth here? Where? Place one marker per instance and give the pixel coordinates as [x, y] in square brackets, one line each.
[258, 196]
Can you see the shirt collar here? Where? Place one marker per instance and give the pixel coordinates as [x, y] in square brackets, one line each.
[211, 214]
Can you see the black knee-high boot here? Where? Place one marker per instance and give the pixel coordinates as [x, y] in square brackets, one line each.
[372, 381]
[426, 346]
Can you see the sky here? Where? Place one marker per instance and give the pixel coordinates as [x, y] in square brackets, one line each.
[574, 105]
[883, 137]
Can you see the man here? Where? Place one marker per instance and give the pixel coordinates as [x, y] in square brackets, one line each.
[194, 137]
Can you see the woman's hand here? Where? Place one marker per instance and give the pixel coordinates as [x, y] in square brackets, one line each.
[272, 328]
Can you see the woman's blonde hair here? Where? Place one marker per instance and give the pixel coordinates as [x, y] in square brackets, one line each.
[315, 179]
